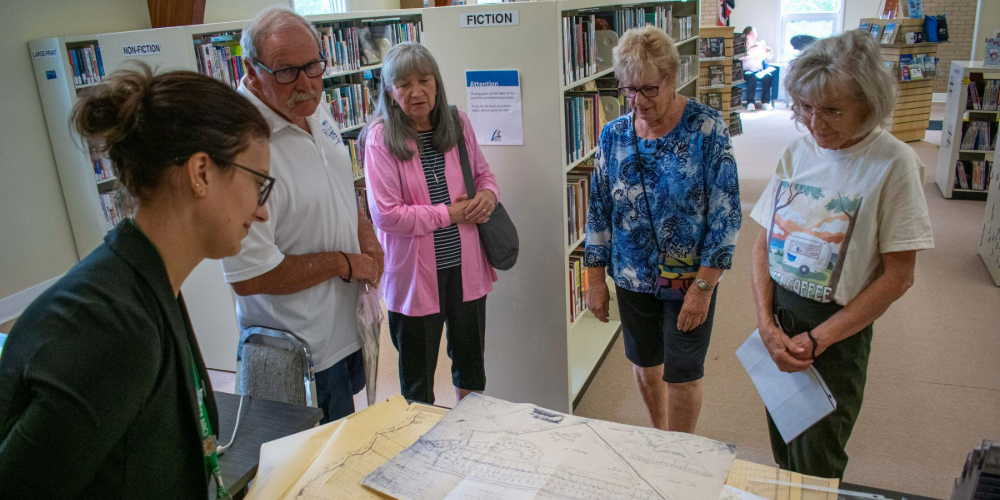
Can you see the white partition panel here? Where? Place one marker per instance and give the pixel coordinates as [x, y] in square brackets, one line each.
[526, 328]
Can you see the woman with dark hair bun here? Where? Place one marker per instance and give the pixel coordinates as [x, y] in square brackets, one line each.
[103, 391]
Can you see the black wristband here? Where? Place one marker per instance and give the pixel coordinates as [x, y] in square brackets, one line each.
[350, 270]
[813, 339]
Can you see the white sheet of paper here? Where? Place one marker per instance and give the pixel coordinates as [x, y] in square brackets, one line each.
[494, 102]
[489, 449]
[795, 401]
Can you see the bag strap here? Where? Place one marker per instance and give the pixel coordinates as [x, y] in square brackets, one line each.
[642, 181]
[463, 156]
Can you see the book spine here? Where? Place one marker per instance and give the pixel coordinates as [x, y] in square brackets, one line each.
[88, 71]
[73, 65]
[93, 62]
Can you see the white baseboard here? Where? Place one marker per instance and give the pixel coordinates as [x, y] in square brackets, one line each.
[12, 306]
[939, 97]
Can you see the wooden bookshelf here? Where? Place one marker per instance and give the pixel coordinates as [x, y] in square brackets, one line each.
[705, 85]
[955, 115]
[912, 113]
[539, 351]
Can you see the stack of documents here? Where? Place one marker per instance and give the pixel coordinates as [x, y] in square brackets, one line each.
[489, 449]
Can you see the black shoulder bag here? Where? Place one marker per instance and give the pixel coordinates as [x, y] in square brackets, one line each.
[497, 235]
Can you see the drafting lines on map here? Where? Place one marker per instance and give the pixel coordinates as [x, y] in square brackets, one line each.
[342, 479]
[487, 447]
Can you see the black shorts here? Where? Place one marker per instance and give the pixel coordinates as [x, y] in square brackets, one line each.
[651, 336]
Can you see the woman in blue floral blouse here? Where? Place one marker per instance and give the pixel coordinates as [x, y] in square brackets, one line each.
[664, 217]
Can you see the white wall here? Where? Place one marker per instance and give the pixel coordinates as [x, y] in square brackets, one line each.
[356, 5]
[218, 11]
[36, 242]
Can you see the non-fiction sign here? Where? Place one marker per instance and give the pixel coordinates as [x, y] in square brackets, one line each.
[141, 49]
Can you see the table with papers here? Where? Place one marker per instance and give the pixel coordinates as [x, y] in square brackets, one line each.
[496, 449]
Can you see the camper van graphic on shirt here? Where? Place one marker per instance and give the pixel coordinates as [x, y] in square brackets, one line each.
[809, 236]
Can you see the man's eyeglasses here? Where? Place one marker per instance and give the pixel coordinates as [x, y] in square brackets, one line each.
[806, 112]
[648, 91]
[289, 75]
[265, 188]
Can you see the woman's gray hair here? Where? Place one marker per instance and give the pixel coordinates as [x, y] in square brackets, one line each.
[852, 61]
[402, 61]
[268, 22]
[645, 51]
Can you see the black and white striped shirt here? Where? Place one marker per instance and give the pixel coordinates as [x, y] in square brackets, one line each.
[447, 245]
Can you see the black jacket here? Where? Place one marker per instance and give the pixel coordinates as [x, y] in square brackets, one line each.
[97, 398]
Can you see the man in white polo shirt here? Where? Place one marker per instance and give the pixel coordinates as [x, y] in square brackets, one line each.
[301, 270]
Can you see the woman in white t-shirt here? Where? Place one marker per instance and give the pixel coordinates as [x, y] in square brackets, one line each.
[843, 218]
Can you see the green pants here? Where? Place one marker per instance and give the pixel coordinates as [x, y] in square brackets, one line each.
[819, 451]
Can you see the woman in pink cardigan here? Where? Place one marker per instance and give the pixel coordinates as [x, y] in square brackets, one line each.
[435, 270]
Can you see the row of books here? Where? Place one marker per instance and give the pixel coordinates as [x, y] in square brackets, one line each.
[220, 57]
[354, 148]
[582, 110]
[397, 31]
[984, 95]
[973, 174]
[888, 35]
[346, 48]
[342, 47]
[579, 47]
[361, 197]
[979, 135]
[114, 206]
[350, 104]
[88, 67]
[577, 285]
[687, 65]
[577, 198]
[622, 20]
[102, 165]
[682, 27]
[917, 66]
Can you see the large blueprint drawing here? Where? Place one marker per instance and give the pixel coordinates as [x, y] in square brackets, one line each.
[488, 449]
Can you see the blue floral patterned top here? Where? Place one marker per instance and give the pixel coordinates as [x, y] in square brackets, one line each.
[693, 193]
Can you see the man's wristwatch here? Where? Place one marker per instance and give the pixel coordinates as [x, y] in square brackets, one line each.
[703, 285]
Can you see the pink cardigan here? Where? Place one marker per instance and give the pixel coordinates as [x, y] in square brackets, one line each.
[400, 204]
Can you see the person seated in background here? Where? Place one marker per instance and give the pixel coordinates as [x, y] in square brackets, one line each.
[754, 70]
[103, 390]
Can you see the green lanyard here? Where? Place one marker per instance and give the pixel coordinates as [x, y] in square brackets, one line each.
[208, 442]
[207, 438]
